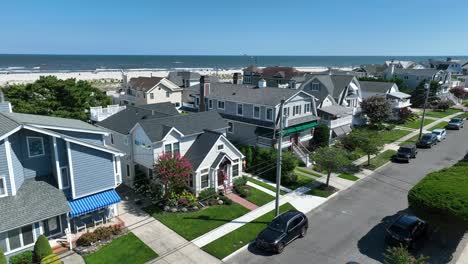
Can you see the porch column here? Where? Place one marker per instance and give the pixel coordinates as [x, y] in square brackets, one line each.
[70, 167]
[10, 166]
[57, 164]
[68, 232]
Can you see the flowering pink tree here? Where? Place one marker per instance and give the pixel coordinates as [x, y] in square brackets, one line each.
[174, 172]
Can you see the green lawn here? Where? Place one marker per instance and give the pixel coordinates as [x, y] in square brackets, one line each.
[125, 249]
[301, 181]
[320, 192]
[389, 136]
[464, 115]
[224, 246]
[417, 123]
[412, 140]
[440, 125]
[348, 177]
[441, 114]
[306, 171]
[258, 197]
[380, 159]
[265, 185]
[194, 224]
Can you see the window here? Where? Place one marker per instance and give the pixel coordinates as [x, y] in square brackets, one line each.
[210, 104]
[204, 178]
[14, 238]
[172, 148]
[168, 148]
[221, 105]
[151, 95]
[35, 146]
[176, 148]
[296, 110]
[52, 226]
[286, 111]
[240, 109]
[315, 87]
[230, 127]
[235, 170]
[3, 190]
[220, 147]
[128, 170]
[65, 179]
[307, 108]
[168, 94]
[269, 114]
[17, 238]
[256, 112]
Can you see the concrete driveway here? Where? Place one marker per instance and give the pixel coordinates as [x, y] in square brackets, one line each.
[350, 228]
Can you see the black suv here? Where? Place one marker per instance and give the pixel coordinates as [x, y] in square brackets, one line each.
[407, 230]
[405, 153]
[427, 140]
[282, 230]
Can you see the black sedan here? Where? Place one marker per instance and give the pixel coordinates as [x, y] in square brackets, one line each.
[427, 140]
[282, 230]
[407, 230]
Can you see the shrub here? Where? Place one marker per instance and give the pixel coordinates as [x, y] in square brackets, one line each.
[240, 181]
[41, 248]
[172, 200]
[401, 255]
[116, 229]
[87, 239]
[390, 127]
[289, 178]
[2, 258]
[207, 193]
[187, 198]
[243, 191]
[51, 259]
[22, 258]
[226, 200]
[321, 136]
[103, 233]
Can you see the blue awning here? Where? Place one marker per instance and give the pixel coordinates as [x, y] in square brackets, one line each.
[93, 202]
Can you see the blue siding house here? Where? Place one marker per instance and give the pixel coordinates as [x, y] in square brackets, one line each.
[56, 175]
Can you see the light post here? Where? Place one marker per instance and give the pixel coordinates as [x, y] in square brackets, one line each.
[427, 87]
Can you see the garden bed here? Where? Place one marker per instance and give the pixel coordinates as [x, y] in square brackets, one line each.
[125, 249]
[322, 190]
[224, 246]
[379, 160]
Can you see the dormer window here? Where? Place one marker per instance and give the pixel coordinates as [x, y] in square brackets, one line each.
[172, 149]
[35, 146]
[315, 87]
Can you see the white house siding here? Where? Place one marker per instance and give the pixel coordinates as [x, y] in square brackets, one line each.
[141, 154]
[160, 95]
[173, 137]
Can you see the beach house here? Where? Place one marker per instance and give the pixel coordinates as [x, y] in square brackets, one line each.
[56, 174]
[276, 76]
[413, 77]
[150, 90]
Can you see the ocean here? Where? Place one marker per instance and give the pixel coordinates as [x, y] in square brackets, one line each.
[45, 63]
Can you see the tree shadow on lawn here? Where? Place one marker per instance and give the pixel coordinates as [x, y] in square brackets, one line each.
[439, 245]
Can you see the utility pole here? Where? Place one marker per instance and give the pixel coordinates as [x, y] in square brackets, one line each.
[427, 87]
[279, 158]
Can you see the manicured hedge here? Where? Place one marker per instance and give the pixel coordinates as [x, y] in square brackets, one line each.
[443, 192]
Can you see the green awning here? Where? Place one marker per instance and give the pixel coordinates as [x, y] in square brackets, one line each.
[299, 128]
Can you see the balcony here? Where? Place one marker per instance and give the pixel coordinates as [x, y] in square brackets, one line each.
[399, 103]
[339, 121]
[98, 113]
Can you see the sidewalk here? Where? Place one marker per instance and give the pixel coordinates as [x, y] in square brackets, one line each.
[171, 247]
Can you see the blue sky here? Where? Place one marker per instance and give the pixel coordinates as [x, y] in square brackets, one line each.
[205, 27]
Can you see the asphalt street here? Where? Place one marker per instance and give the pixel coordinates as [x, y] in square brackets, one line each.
[350, 228]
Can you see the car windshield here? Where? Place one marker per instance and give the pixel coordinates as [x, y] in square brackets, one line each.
[455, 120]
[278, 224]
[404, 150]
[436, 132]
[399, 230]
[426, 137]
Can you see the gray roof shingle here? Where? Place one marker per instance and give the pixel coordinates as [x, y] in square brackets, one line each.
[200, 148]
[336, 110]
[7, 124]
[376, 87]
[417, 72]
[35, 200]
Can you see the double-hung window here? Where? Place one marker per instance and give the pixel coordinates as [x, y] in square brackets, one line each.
[240, 109]
[204, 178]
[151, 95]
[176, 148]
[269, 114]
[307, 108]
[315, 87]
[17, 238]
[3, 189]
[221, 105]
[256, 112]
[210, 104]
[235, 170]
[296, 110]
[35, 146]
[168, 149]
[172, 148]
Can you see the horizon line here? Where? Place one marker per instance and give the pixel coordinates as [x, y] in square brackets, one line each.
[227, 55]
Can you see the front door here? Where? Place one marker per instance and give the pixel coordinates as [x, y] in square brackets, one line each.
[221, 176]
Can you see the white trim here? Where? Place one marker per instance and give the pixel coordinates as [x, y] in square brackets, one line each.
[94, 192]
[57, 164]
[29, 150]
[224, 104]
[216, 144]
[167, 134]
[70, 167]
[4, 187]
[10, 169]
[10, 133]
[68, 174]
[259, 112]
[70, 129]
[7, 240]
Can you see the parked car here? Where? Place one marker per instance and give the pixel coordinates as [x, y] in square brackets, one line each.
[427, 141]
[405, 153]
[455, 123]
[440, 133]
[282, 230]
[406, 230]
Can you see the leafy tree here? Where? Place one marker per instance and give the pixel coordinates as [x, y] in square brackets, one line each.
[2, 258]
[330, 159]
[405, 113]
[321, 136]
[376, 108]
[55, 97]
[400, 255]
[365, 140]
[174, 172]
[41, 249]
[265, 164]
[458, 92]
[443, 105]
[419, 93]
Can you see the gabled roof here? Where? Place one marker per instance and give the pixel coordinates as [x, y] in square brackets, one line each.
[334, 83]
[178, 77]
[336, 110]
[417, 72]
[376, 87]
[399, 95]
[144, 83]
[7, 125]
[190, 124]
[250, 94]
[35, 200]
[200, 148]
[123, 121]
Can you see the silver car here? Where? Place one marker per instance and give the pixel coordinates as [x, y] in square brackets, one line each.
[440, 133]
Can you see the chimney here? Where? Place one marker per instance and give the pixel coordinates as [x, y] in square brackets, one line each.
[261, 83]
[237, 78]
[204, 91]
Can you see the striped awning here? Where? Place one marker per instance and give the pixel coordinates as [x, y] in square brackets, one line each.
[93, 202]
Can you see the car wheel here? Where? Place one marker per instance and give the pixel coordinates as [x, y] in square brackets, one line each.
[303, 231]
[280, 247]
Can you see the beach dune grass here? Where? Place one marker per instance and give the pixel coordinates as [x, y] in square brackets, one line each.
[194, 224]
[227, 244]
[125, 249]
